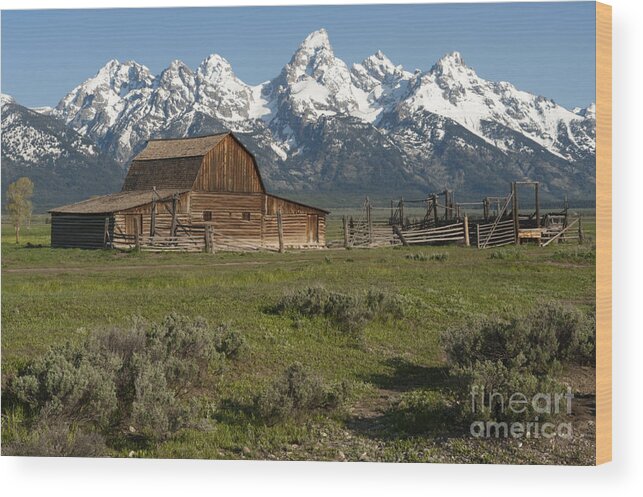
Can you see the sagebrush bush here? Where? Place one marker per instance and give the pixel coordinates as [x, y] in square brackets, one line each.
[229, 342]
[66, 383]
[575, 331]
[539, 342]
[135, 379]
[492, 384]
[500, 357]
[297, 391]
[56, 439]
[349, 313]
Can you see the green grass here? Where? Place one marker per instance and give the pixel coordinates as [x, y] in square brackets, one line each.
[50, 296]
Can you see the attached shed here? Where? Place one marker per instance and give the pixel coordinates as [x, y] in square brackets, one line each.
[177, 187]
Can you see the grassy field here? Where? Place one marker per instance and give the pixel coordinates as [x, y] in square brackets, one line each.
[50, 296]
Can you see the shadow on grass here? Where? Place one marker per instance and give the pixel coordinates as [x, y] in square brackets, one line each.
[412, 400]
[407, 376]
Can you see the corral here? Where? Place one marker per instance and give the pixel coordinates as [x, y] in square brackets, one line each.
[190, 194]
[491, 222]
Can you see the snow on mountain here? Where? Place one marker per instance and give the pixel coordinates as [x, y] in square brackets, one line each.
[301, 121]
[27, 142]
[454, 90]
[385, 83]
[315, 83]
[6, 99]
[95, 105]
[588, 112]
[63, 164]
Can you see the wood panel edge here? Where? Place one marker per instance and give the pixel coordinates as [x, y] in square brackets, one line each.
[603, 233]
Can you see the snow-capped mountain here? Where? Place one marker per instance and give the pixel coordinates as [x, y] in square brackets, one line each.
[385, 83]
[320, 124]
[63, 164]
[452, 89]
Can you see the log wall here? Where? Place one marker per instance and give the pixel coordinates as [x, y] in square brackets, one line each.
[242, 217]
[79, 230]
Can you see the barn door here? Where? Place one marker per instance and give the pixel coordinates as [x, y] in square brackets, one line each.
[312, 229]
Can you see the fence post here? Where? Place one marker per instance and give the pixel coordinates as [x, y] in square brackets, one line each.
[580, 230]
[137, 236]
[173, 226]
[280, 232]
[400, 235]
[516, 216]
[153, 217]
[208, 239]
[434, 198]
[478, 235]
[466, 231]
[536, 186]
[345, 224]
[369, 216]
[402, 212]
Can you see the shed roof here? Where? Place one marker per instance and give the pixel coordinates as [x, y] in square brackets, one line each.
[179, 147]
[115, 202]
[298, 203]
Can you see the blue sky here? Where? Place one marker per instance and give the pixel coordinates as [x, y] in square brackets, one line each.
[544, 48]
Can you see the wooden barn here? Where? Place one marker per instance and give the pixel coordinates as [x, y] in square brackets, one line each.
[190, 193]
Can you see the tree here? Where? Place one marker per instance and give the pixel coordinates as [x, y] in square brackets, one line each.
[19, 203]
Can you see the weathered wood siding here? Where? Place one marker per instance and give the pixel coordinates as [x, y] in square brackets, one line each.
[123, 220]
[242, 217]
[234, 215]
[228, 167]
[298, 230]
[79, 230]
[302, 225]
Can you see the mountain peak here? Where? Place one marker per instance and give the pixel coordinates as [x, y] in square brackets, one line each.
[588, 112]
[177, 74]
[214, 68]
[6, 99]
[316, 40]
[451, 59]
[449, 64]
[378, 57]
[177, 64]
[380, 67]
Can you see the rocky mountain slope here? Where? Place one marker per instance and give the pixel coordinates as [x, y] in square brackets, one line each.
[320, 125]
[64, 165]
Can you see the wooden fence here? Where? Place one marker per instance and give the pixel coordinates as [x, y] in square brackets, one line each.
[455, 232]
[192, 239]
[189, 240]
[494, 234]
[373, 235]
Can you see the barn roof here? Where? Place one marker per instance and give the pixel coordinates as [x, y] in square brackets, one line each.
[169, 173]
[179, 147]
[115, 202]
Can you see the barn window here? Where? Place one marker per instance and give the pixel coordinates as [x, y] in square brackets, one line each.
[207, 215]
[246, 216]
